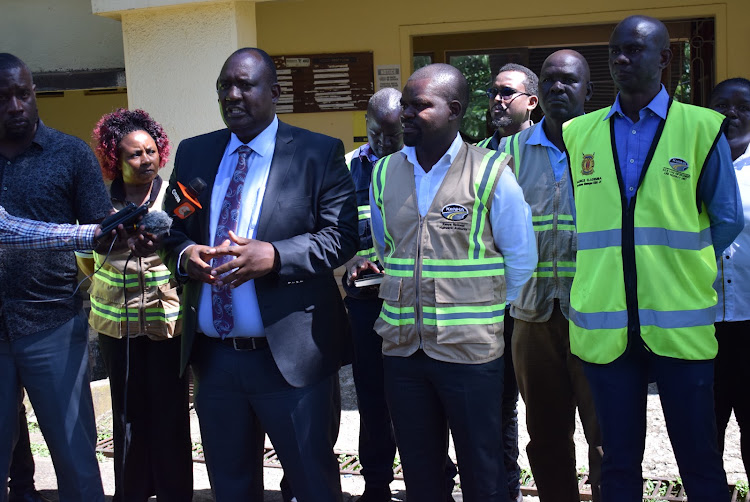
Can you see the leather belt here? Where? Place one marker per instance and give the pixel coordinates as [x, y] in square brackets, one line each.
[252, 343]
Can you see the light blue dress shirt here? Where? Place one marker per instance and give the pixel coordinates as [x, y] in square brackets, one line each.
[718, 185]
[557, 159]
[510, 216]
[245, 310]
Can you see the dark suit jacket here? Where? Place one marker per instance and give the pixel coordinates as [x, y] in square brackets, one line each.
[309, 214]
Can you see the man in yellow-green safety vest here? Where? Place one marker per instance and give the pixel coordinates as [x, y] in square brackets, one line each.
[455, 238]
[656, 200]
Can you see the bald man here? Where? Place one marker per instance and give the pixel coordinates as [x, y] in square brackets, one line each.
[454, 232]
[550, 379]
[377, 445]
[656, 201]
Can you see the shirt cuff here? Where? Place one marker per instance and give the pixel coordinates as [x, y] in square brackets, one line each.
[85, 236]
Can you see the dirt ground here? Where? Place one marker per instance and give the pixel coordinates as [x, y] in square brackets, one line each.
[658, 459]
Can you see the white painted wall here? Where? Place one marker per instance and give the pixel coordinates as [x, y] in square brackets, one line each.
[54, 35]
[173, 57]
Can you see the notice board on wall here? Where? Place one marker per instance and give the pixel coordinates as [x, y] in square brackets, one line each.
[324, 82]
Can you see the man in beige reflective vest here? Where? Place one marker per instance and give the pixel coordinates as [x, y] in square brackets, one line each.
[454, 235]
[551, 379]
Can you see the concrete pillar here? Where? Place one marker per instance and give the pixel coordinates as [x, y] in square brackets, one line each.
[174, 50]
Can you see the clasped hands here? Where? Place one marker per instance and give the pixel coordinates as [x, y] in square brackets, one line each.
[252, 259]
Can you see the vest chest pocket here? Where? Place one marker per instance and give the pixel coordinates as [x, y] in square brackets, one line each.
[467, 310]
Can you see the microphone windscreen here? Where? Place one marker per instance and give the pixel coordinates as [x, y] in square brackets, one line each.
[157, 223]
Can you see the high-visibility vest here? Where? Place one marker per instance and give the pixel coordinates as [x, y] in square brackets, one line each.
[492, 142]
[361, 171]
[444, 288]
[552, 217]
[644, 269]
[143, 301]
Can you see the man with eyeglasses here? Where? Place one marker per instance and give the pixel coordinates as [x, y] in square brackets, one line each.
[512, 99]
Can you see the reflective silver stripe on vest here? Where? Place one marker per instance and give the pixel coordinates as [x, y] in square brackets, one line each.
[675, 239]
[463, 315]
[662, 319]
[546, 269]
[599, 320]
[462, 268]
[598, 240]
[363, 212]
[677, 318]
[397, 315]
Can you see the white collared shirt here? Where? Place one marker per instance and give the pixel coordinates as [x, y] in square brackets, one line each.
[246, 312]
[733, 280]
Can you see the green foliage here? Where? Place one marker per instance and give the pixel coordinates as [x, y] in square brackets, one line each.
[421, 61]
[742, 489]
[682, 92]
[526, 477]
[476, 69]
[39, 449]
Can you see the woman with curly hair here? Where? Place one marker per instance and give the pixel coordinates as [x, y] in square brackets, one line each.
[136, 311]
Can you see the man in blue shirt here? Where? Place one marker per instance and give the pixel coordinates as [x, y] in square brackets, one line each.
[638, 53]
[550, 378]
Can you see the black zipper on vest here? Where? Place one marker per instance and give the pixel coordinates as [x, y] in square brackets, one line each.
[630, 272]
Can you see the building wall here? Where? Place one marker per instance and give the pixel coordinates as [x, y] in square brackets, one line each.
[77, 112]
[388, 30]
[54, 35]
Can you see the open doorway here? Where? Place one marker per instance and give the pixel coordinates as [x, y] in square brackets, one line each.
[479, 56]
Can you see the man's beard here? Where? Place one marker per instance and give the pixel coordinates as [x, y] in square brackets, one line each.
[501, 122]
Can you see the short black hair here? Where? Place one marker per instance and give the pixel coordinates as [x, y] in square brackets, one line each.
[10, 62]
[725, 83]
[452, 83]
[264, 57]
[531, 82]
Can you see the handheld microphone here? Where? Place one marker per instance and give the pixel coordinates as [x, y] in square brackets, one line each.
[187, 198]
[157, 223]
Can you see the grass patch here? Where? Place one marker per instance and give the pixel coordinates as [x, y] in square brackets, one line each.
[39, 449]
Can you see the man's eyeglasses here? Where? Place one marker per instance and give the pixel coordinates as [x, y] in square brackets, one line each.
[505, 93]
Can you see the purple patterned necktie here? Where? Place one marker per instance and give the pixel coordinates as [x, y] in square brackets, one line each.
[221, 297]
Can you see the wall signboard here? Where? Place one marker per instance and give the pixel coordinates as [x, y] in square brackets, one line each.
[324, 82]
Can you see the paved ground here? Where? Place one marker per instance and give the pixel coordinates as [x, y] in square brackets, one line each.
[659, 459]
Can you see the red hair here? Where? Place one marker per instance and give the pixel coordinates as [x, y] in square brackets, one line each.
[112, 127]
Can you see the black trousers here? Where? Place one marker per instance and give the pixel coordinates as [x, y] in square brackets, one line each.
[731, 381]
[510, 413]
[158, 460]
[377, 444]
[426, 397]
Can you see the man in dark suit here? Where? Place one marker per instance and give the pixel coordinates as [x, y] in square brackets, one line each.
[263, 331]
